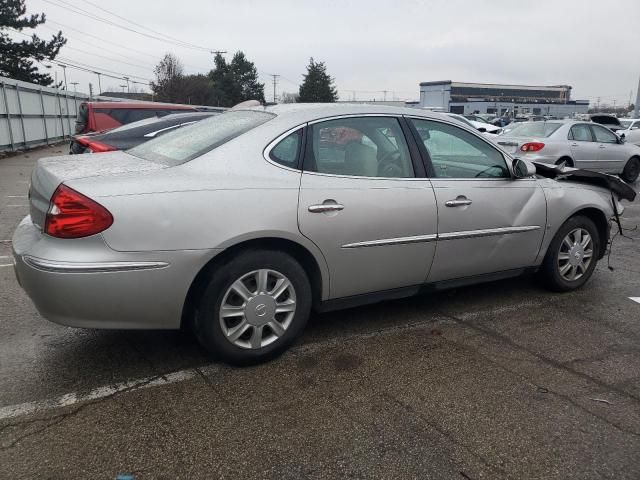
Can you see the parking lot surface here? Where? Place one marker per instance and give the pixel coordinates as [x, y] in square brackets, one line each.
[501, 380]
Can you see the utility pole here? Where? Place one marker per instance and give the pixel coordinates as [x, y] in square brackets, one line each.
[614, 107]
[598, 105]
[90, 90]
[123, 87]
[384, 93]
[218, 52]
[99, 84]
[275, 82]
[127, 80]
[64, 70]
[74, 86]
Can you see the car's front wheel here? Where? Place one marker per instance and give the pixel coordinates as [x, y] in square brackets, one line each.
[254, 307]
[572, 255]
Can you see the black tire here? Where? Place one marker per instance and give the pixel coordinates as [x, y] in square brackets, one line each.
[631, 170]
[550, 269]
[208, 327]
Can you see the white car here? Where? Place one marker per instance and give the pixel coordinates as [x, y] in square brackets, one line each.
[631, 130]
[486, 129]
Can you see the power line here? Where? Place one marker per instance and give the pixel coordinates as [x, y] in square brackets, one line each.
[136, 24]
[146, 54]
[87, 14]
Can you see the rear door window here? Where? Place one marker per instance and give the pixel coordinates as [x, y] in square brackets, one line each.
[580, 133]
[360, 146]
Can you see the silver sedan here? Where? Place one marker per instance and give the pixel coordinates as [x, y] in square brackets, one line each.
[240, 224]
[576, 144]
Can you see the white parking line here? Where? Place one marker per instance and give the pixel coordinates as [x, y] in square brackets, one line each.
[17, 205]
[16, 196]
[6, 265]
[11, 411]
[635, 299]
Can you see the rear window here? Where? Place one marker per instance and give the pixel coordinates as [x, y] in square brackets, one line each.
[535, 129]
[191, 141]
[128, 115]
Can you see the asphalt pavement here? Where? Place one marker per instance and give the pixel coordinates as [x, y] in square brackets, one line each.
[501, 380]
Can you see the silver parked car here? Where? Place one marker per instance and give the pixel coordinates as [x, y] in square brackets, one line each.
[240, 224]
[577, 144]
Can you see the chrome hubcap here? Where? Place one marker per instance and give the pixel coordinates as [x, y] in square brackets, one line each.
[257, 309]
[576, 253]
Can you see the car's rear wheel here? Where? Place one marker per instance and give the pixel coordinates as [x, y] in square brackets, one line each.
[254, 307]
[572, 255]
[566, 161]
[631, 170]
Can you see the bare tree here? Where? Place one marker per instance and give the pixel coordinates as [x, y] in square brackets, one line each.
[287, 97]
[169, 78]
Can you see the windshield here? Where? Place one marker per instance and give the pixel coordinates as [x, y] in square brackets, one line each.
[462, 119]
[535, 129]
[191, 141]
[476, 119]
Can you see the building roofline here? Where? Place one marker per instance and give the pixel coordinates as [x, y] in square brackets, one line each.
[497, 85]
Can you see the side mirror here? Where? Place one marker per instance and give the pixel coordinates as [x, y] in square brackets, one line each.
[523, 168]
[622, 138]
[482, 130]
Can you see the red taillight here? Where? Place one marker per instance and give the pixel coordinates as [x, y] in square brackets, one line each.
[532, 147]
[72, 215]
[93, 146]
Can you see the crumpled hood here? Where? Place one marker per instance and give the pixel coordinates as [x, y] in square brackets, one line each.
[603, 180]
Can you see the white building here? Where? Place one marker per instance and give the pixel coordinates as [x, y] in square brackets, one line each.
[468, 98]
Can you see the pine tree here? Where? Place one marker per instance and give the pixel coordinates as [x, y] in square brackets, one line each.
[317, 85]
[236, 81]
[17, 58]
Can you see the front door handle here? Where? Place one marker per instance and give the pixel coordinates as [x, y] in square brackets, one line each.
[575, 145]
[602, 146]
[460, 201]
[326, 207]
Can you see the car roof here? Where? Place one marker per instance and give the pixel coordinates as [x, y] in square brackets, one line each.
[140, 105]
[307, 112]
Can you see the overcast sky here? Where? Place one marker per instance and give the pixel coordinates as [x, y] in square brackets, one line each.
[368, 45]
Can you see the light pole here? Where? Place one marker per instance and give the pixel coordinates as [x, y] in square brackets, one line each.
[74, 86]
[127, 80]
[99, 84]
[64, 70]
[123, 87]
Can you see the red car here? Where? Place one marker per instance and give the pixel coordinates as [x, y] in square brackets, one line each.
[100, 116]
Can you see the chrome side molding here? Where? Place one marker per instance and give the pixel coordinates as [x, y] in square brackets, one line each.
[489, 232]
[89, 267]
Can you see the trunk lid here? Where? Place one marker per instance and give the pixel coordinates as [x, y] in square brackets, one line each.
[51, 172]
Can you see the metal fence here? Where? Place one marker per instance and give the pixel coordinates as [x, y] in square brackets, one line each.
[32, 115]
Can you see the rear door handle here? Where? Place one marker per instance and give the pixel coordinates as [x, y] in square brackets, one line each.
[460, 201]
[602, 146]
[575, 145]
[326, 207]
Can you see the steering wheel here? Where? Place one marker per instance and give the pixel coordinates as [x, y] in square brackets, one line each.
[498, 167]
[388, 165]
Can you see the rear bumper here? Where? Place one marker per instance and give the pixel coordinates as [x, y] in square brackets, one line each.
[83, 283]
